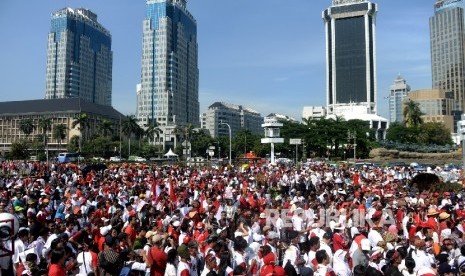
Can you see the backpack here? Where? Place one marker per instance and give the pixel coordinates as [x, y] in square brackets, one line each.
[289, 268]
[125, 271]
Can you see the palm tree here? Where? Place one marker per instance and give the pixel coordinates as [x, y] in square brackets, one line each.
[105, 128]
[152, 130]
[27, 126]
[130, 127]
[83, 121]
[45, 124]
[412, 114]
[59, 133]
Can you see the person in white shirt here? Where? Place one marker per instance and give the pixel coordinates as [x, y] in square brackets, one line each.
[86, 259]
[298, 223]
[20, 246]
[419, 255]
[210, 264]
[323, 266]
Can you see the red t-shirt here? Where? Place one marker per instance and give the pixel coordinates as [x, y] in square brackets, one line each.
[131, 233]
[56, 270]
[157, 259]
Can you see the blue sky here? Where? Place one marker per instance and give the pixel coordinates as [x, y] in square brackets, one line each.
[268, 55]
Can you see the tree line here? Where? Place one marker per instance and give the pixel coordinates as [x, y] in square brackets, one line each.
[333, 138]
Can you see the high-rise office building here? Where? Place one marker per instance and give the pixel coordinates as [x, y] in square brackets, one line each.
[350, 56]
[447, 39]
[170, 76]
[435, 104]
[399, 90]
[237, 116]
[79, 57]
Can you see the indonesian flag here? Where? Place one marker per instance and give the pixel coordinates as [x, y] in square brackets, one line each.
[172, 194]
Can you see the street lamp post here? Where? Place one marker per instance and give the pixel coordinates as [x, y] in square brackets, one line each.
[229, 127]
[353, 135]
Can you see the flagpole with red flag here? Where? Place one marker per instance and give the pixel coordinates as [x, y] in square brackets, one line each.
[173, 198]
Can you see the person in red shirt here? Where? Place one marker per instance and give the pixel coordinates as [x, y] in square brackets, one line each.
[339, 241]
[57, 263]
[131, 230]
[157, 258]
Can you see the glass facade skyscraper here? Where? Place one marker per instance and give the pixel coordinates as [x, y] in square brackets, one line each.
[170, 76]
[399, 91]
[447, 39]
[351, 55]
[79, 57]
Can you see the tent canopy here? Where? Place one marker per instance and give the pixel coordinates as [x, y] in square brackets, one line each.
[170, 153]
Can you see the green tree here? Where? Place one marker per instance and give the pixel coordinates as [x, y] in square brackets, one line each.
[59, 133]
[105, 128]
[152, 130]
[19, 150]
[74, 144]
[130, 128]
[100, 146]
[398, 132]
[434, 133]
[243, 141]
[200, 143]
[82, 122]
[45, 125]
[27, 126]
[412, 114]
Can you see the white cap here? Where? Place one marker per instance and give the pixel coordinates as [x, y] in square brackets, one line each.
[365, 244]
[105, 229]
[257, 237]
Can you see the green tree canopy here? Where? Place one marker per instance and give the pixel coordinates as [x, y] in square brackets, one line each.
[27, 126]
[412, 114]
[59, 133]
[434, 133]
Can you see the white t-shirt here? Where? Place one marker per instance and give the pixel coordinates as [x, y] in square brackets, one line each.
[84, 260]
[19, 248]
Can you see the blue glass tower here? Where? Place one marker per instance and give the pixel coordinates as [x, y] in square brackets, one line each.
[447, 44]
[79, 57]
[168, 92]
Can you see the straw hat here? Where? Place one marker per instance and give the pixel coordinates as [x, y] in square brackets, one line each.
[432, 212]
[444, 215]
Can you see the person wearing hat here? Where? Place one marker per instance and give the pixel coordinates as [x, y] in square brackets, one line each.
[184, 268]
[375, 258]
[210, 264]
[156, 257]
[432, 220]
[272, 241]
[374, 235]
[339, 239]
[196, 262]
[360, 254]
[446, 200]
[444, 219]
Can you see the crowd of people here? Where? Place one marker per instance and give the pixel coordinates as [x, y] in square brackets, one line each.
[310, 219]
